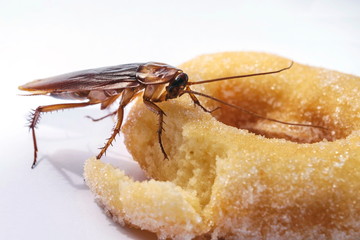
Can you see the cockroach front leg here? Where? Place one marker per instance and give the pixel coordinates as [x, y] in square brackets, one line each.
[50, 108]
[197, 102]
[158, 111]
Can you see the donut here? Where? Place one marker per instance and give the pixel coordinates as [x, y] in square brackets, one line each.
[234, 175]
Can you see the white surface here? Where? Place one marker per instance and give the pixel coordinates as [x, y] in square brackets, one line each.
[45, 38]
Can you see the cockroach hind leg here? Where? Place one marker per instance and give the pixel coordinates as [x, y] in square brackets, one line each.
[34, 164]
[37, 161]
[35, 118]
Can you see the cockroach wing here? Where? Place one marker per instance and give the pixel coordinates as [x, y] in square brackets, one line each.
[105, 78]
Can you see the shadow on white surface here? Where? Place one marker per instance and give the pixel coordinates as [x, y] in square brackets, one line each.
[133, 233]
[69, 163]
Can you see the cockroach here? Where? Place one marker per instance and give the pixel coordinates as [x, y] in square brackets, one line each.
[158, 81]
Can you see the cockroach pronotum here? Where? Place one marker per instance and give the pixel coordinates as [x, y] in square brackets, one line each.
[158, 82]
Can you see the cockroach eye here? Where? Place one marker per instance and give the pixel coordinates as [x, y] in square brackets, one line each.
[176, 85]
[180, 80]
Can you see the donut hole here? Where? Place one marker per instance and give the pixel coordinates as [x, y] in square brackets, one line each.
[258, 109]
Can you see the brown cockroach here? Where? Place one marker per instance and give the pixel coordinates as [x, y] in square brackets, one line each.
[158, 82]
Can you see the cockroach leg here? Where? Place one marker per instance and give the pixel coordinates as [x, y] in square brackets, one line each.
[126, 97]
[50, 108]
[116, 131]
[197, 102]
[158, 111]
[33, 122]
[160, 130]
[98, 119]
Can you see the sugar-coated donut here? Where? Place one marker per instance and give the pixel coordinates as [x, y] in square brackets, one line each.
[233, 175]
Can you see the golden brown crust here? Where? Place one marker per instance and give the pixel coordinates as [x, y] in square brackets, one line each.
[232, 183]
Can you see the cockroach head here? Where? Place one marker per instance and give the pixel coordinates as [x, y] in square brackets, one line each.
[177, 85]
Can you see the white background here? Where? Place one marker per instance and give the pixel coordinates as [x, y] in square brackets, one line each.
[45, 38]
